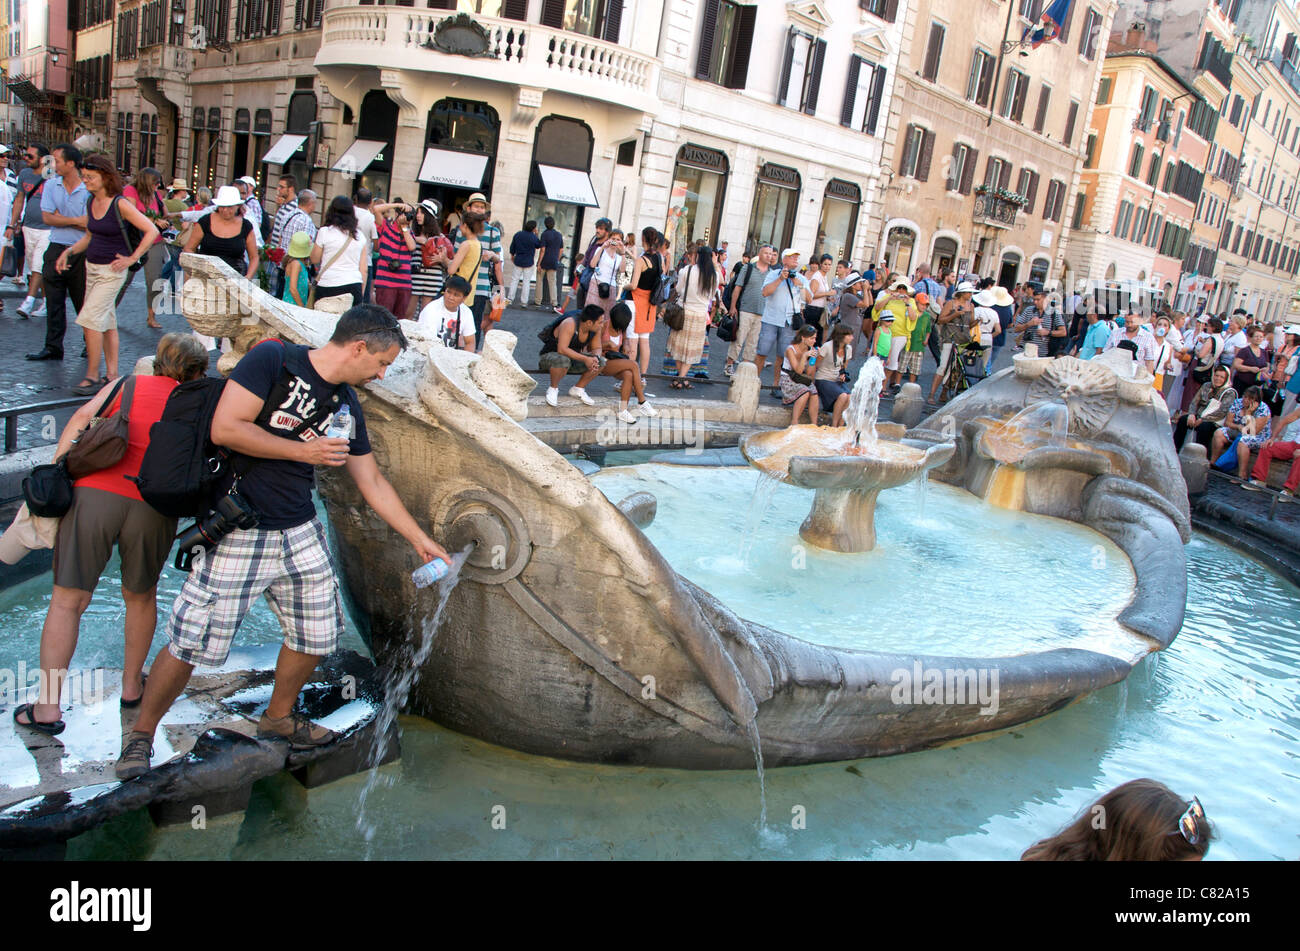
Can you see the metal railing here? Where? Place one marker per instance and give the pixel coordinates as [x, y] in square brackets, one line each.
[10, 415]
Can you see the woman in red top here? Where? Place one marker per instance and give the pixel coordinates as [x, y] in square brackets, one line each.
[145, 192]
[107, 510]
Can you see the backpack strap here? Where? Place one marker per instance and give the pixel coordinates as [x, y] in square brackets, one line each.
[295, 355]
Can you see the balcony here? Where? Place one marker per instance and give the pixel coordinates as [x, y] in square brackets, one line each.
[521, 54]
[1288, 71]
[995, 211]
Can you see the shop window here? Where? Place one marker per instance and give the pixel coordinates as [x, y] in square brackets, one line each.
[695, 203]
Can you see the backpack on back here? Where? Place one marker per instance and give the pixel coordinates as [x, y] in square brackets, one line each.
[666, 289]
[265, 228]
[183, 474]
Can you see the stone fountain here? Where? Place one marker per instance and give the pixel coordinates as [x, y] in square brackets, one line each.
[570, 635]
[847, 467]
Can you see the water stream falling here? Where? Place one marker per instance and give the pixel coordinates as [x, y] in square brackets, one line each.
[401, 671]
[757, 743]
[764, 489]
[864, 404]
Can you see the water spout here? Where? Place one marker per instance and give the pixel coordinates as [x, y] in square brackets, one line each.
[864, 404]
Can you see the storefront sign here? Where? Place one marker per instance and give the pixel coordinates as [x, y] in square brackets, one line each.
[846, 191]
[709, 159]
[458, 169]
[779, 175]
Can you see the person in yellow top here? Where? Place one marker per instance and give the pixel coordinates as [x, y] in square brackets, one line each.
[898, 302]
[470, 253]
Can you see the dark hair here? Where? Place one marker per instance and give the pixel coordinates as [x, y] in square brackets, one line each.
[708, 275]
[620, 315]
[70, 153]
[369, 322]
[292, 182]
[180, 356]
[430, 227]
[530, 225]
[604, 223]
[363, 196]
[591, 312]
[474, 221]
[1138, 821]
[839, 333]
[548, 221]
[650, 238]
[824, 258]
[341, 215]
[807, 330]
[108, 172]
[1215, 325]
[41, 148]
[1253, 393]
[456, 283]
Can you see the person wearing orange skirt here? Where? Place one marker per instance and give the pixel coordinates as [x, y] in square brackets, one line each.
[645, 278]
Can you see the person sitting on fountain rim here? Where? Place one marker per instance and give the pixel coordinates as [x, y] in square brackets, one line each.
[832, 376]
[1286, 446]
[1208, 410]
[569, 341]
[286, 556]
[614, 345]
[1248, 418]
[795, 364]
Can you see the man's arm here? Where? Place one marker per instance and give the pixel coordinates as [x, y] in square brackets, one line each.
[382, 497]
[56, 220]
[233, 426]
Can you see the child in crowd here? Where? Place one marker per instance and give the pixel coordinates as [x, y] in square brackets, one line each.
[573, 288]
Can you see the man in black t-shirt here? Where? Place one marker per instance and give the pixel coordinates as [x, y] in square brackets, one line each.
[286, 556]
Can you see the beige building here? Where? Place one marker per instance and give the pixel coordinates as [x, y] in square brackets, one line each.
[990, 137]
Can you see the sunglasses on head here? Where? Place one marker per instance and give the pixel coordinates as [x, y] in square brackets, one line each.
[1191, 821]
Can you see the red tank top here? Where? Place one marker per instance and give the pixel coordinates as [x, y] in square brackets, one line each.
[151, 394]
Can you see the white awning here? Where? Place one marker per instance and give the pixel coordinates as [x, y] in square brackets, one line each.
[358, 156]
[458, 169]
[284, 147]
[569, 185]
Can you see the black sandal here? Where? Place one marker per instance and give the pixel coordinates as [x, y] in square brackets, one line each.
[87, 387]
[132, 704]
[52, 728]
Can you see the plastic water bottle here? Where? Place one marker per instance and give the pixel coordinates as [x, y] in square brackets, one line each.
[341, 425]
[428, 574]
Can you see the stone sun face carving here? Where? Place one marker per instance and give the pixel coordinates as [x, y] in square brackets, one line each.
[1088, 389]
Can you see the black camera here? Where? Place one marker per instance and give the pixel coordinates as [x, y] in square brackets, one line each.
[603, 289]
[409, 215]
[232, 512]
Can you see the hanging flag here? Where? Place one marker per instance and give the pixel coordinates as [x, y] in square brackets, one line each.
[1049, 25]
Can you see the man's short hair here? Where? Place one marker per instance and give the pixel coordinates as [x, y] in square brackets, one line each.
[530, 225]
[41, 148]
[604, 223]
[456, 283]
[548, 221]
[369, 322]
[290, 181]
[591, 312]
[306, 196]
[363, 197]
[70, 153]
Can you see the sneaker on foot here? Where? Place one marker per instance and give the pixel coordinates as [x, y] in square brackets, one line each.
[646, 409]
[39, 311]
[137, 748]
[625, 417]
[729, 369]
[25, 308]
[1254, 485]
[301, 733]
[552, 396]
[581, 394]
[1286, 495]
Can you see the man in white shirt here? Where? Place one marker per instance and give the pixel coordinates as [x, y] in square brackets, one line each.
[1140, 336]
[448, 316]
[366, 225]
[252, 207]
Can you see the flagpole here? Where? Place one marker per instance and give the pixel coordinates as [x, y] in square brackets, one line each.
[997, 76]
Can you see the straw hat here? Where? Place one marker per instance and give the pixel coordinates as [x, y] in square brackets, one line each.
[178, 185]
[227, 196]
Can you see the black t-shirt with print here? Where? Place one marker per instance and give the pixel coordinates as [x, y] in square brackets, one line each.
[279, 489]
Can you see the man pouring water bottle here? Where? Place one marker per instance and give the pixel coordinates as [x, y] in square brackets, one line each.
[285, 410]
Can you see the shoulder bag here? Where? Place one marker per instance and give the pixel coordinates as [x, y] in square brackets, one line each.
[130, 234]
[104, 440]
[311, 295]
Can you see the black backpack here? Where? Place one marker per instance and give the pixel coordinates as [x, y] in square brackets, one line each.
[547, 333]
[265, 227]
[183, 474]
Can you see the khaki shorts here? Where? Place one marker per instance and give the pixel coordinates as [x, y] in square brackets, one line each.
[35, 241]
[99, 312]
[96, 521]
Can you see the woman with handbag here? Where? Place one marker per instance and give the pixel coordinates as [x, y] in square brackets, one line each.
[798, 387]
[338, 251]
[465, 262]
[109, 261]
[428, 277]
[646, 277]
[145, 193]
[107, 510]
[696, 283]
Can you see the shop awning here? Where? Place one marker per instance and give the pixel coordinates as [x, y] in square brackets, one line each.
[283, 149]
[359, 156]
[26, 90]
[458, 169]
[569, 185]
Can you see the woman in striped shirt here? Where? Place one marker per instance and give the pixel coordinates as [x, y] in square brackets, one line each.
[395, 244]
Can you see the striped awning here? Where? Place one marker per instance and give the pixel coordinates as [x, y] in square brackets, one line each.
[26, 90]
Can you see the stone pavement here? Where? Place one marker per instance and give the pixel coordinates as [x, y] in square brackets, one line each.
[1258, 522]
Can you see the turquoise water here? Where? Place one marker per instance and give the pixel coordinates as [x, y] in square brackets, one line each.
[1214, 716]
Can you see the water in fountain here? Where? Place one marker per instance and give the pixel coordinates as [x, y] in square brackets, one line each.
[758, 505]
[1043, 424]
[400, 674]
[864, 404]
[757, 743]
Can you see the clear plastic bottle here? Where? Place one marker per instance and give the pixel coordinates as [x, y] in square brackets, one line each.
[340, 426]
[429, 573]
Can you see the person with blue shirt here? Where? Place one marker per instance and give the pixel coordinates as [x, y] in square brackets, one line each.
[63, 207]
[1095, 337]
[785, 291]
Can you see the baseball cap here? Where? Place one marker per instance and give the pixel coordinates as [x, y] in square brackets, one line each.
[4, 150]
[789, 251]
[247, 180]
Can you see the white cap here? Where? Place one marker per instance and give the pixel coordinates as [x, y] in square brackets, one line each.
[4, 150]
[901, 282]
[227, 195]
[1293, 329]
[247, 180]
[789, 251]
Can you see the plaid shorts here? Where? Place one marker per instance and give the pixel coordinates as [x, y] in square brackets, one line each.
[291, 566]
[911, 362]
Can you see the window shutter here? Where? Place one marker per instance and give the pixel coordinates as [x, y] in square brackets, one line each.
[927, 153]
[907, 148]
[1022, 93]
[953, 184]
[743, 41]
[986, 80]
[1040, 118]
[613, 19]
[1065, 27]
[787, 62]
[891, 10]
[703, 59]
[968, 173]
[515, 9]
[553, 14]
[1031, 193]
[815, 76]
[932, 52]
[851, 91]
[1060, 201]
[1069, 124]
[1004, 178]
[877, 93]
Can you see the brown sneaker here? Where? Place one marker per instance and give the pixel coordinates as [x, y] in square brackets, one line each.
[137, 747]
[301, 733]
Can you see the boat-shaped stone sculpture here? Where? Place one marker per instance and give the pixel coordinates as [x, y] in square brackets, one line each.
[570, 635]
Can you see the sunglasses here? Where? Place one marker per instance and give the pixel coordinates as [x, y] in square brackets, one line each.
[1191, 822]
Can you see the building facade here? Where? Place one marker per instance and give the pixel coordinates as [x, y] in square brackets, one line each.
[989, 137]
[39, 69]
[707, 119]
